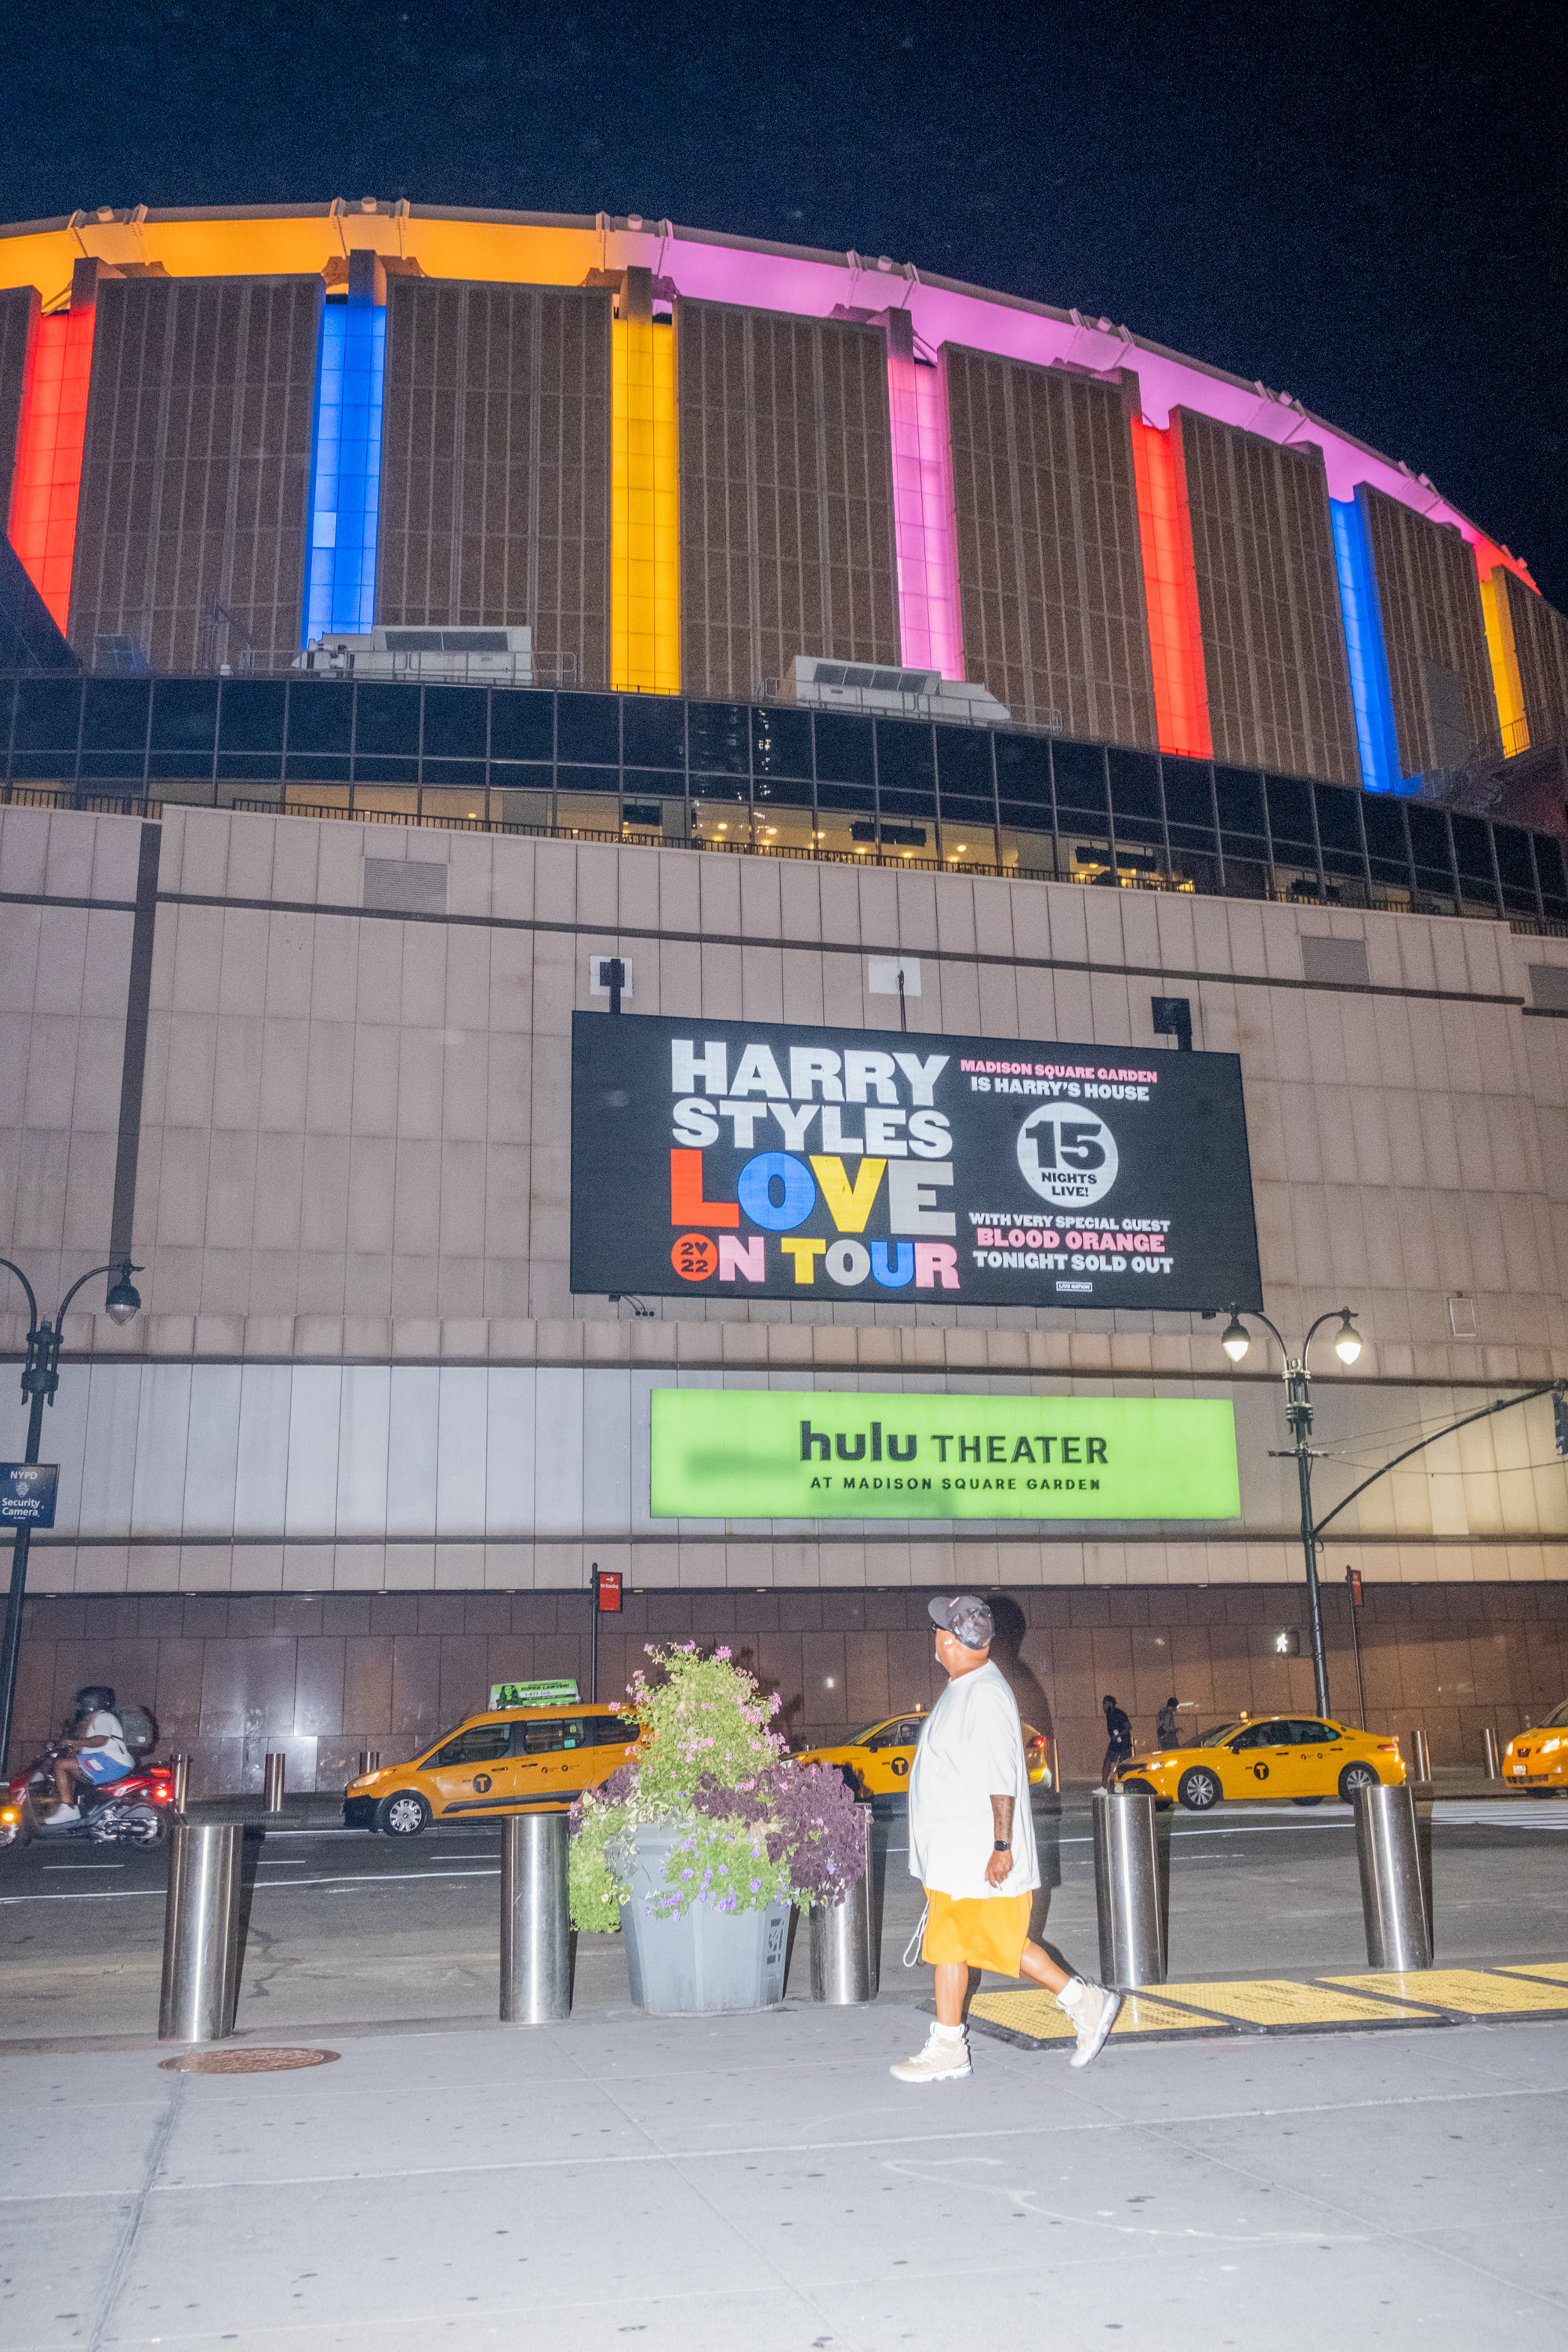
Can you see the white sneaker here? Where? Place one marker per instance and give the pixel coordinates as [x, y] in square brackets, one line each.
[1093, 2011]
[944, 2059]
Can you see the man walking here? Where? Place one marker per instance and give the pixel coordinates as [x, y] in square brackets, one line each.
[1118, 1739]
[972, 1844]
[1165, 1723]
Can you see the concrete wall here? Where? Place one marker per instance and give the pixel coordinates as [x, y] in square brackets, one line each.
[352, 1206]
[319, 1676]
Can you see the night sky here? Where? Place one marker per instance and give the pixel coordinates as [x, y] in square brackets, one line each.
[1363, 207]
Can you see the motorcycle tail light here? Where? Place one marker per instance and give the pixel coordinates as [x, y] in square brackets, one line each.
[162, 1792]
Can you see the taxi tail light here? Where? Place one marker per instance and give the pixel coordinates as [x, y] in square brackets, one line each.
[1391, 1747]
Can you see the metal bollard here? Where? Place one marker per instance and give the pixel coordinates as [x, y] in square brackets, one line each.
[1392, 1888]
[1423, 1758]
[182, 1781]
[369, 1761]
[274, 1770]
[1489, 1754]
[844, 1970]
[535, 1921]
[201, 1932]
[1127, 1889]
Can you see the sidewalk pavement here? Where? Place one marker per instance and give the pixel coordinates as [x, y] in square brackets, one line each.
[760, 2181]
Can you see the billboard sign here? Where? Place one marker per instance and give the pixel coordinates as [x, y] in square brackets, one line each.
[556, 1693]
[767, 1454]
[752, 1159]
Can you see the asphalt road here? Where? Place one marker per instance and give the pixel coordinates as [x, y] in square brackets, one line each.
[349, 1930]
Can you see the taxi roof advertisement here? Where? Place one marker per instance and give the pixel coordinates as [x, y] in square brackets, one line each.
[769, 1454]
[755, 1160]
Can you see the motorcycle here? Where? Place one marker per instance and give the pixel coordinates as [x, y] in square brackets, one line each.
[136, 1811]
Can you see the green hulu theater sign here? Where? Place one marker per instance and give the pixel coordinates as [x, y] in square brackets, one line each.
[760, 1454]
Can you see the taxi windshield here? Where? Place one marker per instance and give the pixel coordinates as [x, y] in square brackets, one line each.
[871, 1730]
[1212, 1739]
[1558, 1718]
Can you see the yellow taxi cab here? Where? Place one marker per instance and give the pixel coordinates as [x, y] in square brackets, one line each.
[1304, 1757]
[876, 1761]
[1537, 1760]
[505, 1760]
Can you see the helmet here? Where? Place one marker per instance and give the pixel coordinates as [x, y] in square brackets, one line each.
[94, 1699]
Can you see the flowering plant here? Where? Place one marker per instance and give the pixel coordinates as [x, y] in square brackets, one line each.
[751, 1828]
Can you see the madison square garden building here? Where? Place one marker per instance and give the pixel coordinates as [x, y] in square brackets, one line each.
[701, 908]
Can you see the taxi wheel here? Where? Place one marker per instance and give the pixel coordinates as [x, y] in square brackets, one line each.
[1354, 1777]
[1199, 1788]
[1306, 1801]
[402, 1814]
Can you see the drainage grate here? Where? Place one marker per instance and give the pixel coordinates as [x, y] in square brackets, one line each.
[245, 2061]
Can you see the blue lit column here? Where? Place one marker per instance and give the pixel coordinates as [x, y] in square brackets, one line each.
[345, 470]
[1376, 731]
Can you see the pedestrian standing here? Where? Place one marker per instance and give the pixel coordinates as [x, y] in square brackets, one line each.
[1165, 1725]
[972, 1844]
[1118, 1739]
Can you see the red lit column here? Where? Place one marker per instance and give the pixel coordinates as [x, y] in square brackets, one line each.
[1170, 595]
[53, 422]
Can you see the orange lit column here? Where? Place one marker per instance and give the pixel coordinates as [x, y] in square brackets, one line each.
[1170, 595]
[53, 422]
[645, 498]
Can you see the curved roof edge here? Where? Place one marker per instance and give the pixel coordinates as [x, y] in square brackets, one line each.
[716, 266]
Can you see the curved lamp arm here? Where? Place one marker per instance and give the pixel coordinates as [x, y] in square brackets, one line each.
[1327, 1317]
[120, 1266]
[32, 1302]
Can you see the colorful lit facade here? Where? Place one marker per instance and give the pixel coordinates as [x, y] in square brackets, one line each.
[853, 529]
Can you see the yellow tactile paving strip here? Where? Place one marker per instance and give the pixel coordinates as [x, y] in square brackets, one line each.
[1282, 2005]
[1468, 1992]
[1034, 2015]
[1277, 2001]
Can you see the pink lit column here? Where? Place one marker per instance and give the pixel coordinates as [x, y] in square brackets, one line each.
[928, 630]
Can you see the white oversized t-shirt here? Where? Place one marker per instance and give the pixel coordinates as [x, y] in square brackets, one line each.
[111, 1731]
[971, 1749]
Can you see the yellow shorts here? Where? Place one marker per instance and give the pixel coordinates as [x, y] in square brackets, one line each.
[989, 1933]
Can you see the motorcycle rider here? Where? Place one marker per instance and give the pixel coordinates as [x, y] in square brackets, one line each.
[95, 1750]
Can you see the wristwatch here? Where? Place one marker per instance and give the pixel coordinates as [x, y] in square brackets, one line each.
[1001, 1846]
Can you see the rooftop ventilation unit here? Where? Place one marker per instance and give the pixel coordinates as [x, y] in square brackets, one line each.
[494, 656]
[897, 693]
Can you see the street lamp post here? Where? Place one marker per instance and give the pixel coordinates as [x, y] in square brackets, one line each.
[1236, 1340]
[40, 1378]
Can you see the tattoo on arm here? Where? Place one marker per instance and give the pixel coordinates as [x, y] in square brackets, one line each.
[1002, 1818]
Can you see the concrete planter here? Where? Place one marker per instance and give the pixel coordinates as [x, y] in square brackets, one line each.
[708, 1962]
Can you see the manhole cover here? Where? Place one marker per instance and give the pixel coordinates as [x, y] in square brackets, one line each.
[245, 2061]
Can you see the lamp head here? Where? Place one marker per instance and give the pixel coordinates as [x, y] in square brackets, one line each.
[124, 1299]
[1234, 1338]
[1347, 1338]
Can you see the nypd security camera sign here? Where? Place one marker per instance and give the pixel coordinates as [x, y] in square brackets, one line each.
[752, 1159]
[28, 1491]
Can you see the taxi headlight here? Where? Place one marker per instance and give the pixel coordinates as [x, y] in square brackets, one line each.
[1551, 1747]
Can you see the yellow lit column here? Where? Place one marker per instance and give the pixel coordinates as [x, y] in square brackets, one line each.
[1504, 657]
[645, 498]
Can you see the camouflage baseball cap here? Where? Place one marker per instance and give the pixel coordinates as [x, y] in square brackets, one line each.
[967, 1618]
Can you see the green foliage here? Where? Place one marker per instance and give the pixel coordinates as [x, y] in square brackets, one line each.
[704, 1718]
[753, 1830]
[595, 1894]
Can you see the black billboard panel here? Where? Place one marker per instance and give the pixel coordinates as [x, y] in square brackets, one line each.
[749, 1159]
